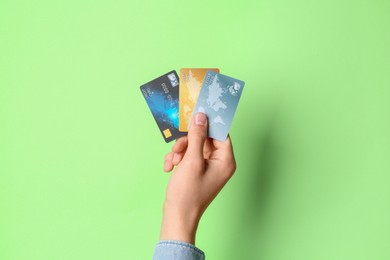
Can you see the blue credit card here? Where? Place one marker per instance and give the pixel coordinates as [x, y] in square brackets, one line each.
[162, 97]
[218, 99]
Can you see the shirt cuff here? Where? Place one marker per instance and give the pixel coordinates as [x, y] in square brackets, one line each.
[177, 250]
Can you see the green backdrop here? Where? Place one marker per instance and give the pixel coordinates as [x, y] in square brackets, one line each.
[81, 157]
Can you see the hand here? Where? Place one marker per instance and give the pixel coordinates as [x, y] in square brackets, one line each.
[203, 166]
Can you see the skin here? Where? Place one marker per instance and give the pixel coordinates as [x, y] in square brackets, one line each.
[201, 167]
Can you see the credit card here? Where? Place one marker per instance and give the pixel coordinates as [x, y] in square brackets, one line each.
[218, 99]
[191, 80]
[162, 97]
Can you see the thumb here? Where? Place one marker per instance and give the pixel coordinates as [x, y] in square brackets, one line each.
[197, 134]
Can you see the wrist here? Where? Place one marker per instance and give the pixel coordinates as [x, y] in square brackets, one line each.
[180, 225]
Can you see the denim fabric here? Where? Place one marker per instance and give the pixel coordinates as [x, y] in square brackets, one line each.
[177, 250]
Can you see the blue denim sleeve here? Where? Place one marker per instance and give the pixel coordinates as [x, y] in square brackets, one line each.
[177, 250]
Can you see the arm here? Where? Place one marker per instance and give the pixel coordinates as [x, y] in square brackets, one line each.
[202, 168]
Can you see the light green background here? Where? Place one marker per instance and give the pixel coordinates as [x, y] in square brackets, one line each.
[81, 157]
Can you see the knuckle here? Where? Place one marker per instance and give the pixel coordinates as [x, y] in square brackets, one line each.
[196, 131]
[231, 168]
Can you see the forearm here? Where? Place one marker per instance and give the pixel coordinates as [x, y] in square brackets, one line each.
[177, 237]
[179, 226]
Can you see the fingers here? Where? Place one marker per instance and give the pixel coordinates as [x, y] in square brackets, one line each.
[225, 149]
[227, 144]
[180, 145]
[179, 149]
[171, 160]
[168, 165]
[224, 157]
[177, 157]
[197, 135]
[174, 158]
[227, 154]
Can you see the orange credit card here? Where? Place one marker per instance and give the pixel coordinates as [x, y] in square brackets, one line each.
[191, 81]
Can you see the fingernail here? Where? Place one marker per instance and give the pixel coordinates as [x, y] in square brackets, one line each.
[200, 119]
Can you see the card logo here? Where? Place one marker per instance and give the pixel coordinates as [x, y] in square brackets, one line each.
[234, 89]
[172, 78]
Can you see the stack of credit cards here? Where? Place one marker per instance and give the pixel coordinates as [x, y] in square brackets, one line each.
[173, 102]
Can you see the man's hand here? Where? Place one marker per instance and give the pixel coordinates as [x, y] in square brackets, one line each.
[203, 166]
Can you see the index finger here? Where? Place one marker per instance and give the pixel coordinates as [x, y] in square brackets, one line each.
[223, 145]
[180, 145]
[224, 148]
